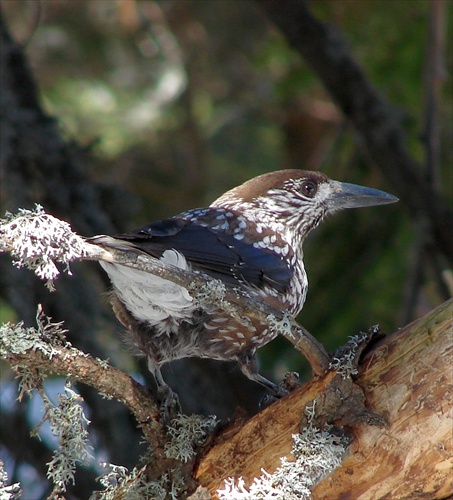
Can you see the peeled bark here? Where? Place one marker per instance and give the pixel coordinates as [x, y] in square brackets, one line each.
[407, 379]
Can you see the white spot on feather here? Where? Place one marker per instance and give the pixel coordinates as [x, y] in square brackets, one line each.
[175, 258]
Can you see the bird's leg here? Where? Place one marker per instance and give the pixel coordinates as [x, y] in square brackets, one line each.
[169, 401]
[249, 367]
[309, 346]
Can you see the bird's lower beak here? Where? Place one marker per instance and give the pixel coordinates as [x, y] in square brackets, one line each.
[345, 195]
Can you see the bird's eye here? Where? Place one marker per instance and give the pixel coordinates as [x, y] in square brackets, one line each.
[309, 189]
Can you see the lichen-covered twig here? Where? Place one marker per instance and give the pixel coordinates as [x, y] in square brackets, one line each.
[36, 351]
[39, 241]
[43, 348]
[69, 424]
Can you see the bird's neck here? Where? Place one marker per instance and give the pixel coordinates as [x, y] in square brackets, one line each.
[267, 219]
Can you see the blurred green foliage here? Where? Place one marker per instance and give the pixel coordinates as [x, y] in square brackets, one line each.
[182, 99]
[7, 314]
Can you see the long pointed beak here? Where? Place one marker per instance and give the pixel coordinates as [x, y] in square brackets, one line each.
[345, 195]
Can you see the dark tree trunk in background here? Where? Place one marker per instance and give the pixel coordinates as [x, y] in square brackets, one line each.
[374, 119]
[38, 166]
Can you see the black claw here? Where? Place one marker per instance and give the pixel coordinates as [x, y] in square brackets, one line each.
[169, 405]
[266, 401]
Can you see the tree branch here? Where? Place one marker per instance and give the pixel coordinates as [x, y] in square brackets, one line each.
[38, 241]
[325, 50]
[35, 352]
[406, 377]
[66, 361]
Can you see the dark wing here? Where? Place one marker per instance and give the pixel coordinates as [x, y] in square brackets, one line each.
[214, 252]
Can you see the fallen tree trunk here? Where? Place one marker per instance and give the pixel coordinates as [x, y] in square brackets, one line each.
[407, 379]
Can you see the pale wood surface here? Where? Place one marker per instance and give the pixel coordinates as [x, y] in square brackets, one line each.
[409, 378]
[406, 377]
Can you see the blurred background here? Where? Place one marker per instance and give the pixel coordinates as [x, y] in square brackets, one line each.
[161, 106]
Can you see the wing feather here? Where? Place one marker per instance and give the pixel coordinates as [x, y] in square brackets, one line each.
[214, 252]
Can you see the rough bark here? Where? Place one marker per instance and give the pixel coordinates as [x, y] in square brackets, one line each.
[407, 378]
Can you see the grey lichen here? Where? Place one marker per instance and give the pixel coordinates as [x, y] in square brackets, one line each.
[317, 453]
[38, 241]
[8, 491]
[67, 419]
[345, 360]
[281, 326]
[46, 337]
[118, 483]
[188, 432]
[211, 291]
[69, 424]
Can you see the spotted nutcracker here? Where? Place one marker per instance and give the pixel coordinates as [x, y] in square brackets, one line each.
[251, 237]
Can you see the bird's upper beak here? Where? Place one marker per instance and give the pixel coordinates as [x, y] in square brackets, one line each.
[345, 195]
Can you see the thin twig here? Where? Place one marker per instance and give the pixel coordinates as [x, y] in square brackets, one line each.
[233, 300]
[113, 383]
[38, 241]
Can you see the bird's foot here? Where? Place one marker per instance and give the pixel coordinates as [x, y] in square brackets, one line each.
[266, 400]
[291, 381]
[169, 405]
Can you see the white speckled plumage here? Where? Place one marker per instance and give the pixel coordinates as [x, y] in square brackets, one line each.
[250, 237]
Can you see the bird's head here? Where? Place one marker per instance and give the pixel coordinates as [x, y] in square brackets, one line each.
[300, 198]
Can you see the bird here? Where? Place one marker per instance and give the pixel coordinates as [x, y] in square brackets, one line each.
[251, 238]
